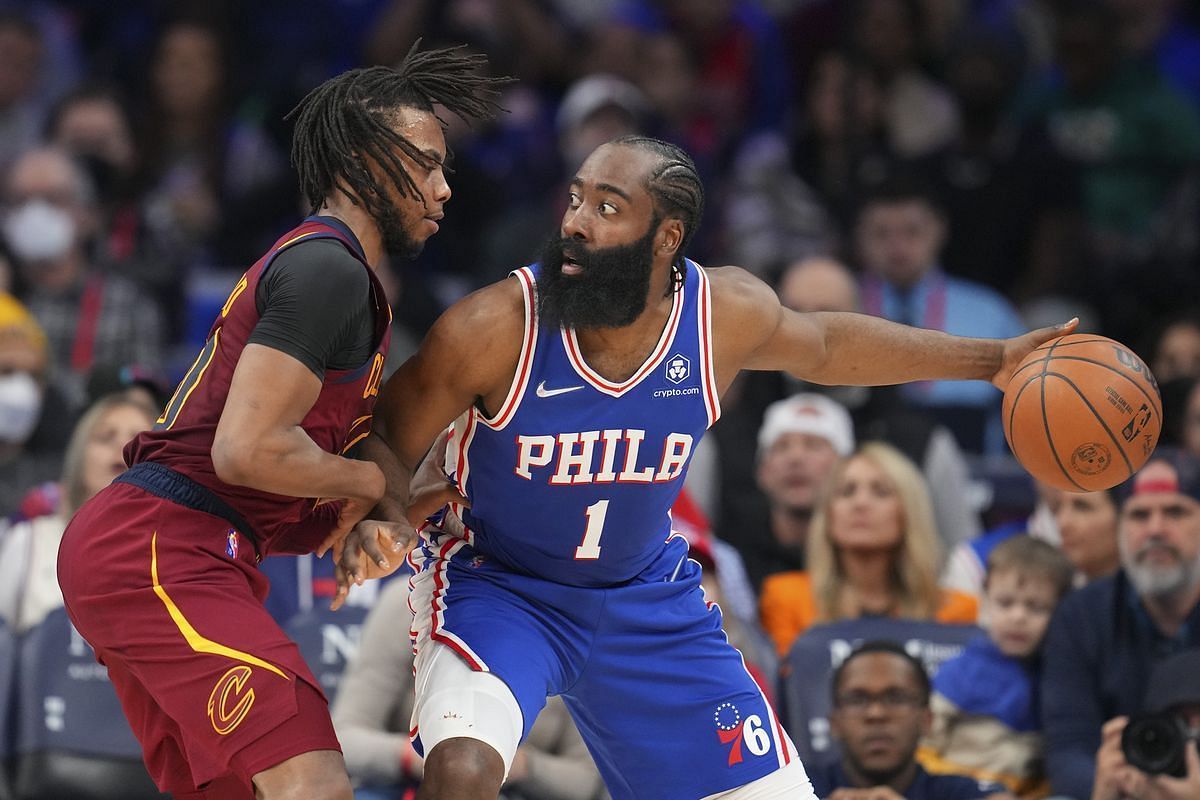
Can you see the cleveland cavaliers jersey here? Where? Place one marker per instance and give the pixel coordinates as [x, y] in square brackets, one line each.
[574, 476]
[182, 438]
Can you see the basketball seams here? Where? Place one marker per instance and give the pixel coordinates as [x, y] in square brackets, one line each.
[1060, 343]
[1148, 396]
[1120, 447]
[1046, 419]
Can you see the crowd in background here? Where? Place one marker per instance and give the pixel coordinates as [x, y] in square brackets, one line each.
[977, 166]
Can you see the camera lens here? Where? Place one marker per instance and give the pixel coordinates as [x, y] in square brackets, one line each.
[1154, 744]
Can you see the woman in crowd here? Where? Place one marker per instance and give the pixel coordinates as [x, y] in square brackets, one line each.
[29, 549]
[872, 550]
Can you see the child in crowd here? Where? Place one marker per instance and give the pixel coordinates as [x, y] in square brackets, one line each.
[985, 700]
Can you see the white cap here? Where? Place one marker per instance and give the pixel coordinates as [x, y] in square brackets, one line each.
[814, 414]
[592, 93]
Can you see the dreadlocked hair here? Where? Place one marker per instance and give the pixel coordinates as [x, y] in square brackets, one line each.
[346, 123]
[675, 185]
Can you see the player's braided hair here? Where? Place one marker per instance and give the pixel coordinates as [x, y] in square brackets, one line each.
[346, 123]
[676, 188]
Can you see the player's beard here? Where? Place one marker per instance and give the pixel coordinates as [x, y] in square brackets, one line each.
[611, 290]
[397, 241]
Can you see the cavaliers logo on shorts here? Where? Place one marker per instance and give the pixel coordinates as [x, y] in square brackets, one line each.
[230, 700]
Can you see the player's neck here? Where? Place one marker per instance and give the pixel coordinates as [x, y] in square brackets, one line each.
[359, 222]
[613, 351]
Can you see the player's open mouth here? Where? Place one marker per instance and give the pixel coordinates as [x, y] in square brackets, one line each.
[570, 266]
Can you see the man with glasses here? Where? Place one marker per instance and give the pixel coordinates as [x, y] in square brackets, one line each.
[880, 713]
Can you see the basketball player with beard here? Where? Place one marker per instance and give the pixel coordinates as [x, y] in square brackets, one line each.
[575, 392]
[249, 458]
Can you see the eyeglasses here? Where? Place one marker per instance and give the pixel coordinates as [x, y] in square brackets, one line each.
[891, 700]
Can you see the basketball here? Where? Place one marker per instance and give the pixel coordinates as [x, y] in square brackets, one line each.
[1082, 413]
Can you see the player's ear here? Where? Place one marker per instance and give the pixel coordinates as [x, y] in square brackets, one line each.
[670, 236]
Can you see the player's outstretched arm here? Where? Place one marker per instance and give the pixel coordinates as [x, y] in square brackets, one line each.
[754, 331]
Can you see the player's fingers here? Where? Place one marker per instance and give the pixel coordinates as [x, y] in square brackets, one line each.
[342, 588]
[370, 545]
[1043, 335]
[351, 562]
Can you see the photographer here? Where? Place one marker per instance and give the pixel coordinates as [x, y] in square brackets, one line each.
[1153, 755]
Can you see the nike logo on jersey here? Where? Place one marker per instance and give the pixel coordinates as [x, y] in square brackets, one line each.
[542, 391]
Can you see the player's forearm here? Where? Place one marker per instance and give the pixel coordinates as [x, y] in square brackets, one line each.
[288, 462]
[397, 477]
[862, 350]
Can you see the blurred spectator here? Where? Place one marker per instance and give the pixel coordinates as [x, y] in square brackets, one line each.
[900, 233]
[736, 47]
[1136, 142]
[879, 413]
[89, 316]
[920, 114]
[824, 284]
[985, 721]
[31, 413]
[840, 146]
[597, 109]
[29, 549]
[880, 712]
[1087, 528]
[1105, 638]
[526, 39]
[799, 443]
[770, 214]
[872, 551]
[1154, 30]
[92, 124]
[20, 64]
[373, 711]
[216, 186]
[1173, 692]
[1011, 202]
[1190, 436]
[1177, 352]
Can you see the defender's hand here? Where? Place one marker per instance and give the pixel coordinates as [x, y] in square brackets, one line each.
[372, 549]
[1016, 348]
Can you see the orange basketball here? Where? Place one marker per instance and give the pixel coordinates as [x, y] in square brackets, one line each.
[1082, 413]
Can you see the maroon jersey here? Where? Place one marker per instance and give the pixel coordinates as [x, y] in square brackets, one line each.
[182, 438]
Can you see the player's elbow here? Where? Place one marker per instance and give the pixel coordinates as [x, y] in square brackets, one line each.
[231, 460]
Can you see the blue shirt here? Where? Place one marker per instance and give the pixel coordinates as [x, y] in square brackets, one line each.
[960, 307]
[827, 778]
[1096, 664]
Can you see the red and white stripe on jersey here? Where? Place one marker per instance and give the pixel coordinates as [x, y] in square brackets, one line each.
[599, 382]
[525, 363]
[785, 751]
[458, 464]
[708, 375]
[435, 606]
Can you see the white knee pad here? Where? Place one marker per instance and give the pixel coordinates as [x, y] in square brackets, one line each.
[454, 700]
[786, 783]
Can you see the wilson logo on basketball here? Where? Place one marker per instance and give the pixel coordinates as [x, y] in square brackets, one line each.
[230, 700]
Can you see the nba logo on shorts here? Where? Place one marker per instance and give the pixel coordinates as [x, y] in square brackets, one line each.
[231, 543]
[678, 368]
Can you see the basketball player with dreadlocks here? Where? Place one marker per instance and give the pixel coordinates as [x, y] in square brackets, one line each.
[572, 422]
[249, 457]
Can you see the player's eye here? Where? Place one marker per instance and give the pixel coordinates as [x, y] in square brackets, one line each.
[607, 208]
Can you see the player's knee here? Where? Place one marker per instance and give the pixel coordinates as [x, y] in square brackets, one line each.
[319, 775]
[468, 765]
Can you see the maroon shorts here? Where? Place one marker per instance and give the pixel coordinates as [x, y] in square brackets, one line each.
[171, 600]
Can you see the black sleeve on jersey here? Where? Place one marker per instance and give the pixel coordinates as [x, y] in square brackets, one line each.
[314, 303]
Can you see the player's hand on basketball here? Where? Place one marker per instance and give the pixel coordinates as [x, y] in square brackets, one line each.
[431, 488]
[1016, 348]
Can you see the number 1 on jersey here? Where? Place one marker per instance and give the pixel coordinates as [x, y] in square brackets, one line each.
[589, 548]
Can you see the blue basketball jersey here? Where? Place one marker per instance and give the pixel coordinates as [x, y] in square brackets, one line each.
[573, 478]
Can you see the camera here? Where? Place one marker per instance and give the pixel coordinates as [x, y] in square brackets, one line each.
[1155, 744]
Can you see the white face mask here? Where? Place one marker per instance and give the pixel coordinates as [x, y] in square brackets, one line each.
[39, 231]
[20, 406]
